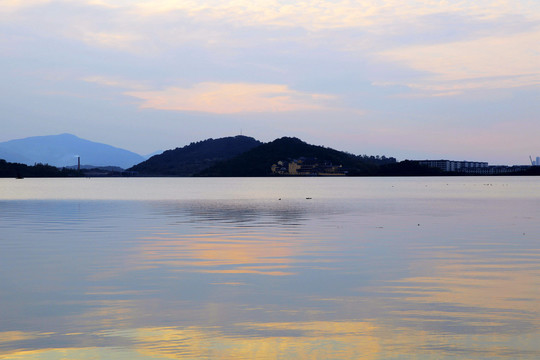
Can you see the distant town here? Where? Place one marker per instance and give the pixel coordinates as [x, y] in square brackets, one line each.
[476, 168]
[313, 167]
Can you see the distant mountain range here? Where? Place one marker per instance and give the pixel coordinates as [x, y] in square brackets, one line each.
[237, 156]
[62, 150]
[228, 156]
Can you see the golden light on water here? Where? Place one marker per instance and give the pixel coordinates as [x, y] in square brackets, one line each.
[498, 283]
[303, 340]
[9, 336]
[225, 253]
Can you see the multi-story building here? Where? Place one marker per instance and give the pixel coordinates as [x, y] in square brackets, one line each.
[453, 166]
[472, 167]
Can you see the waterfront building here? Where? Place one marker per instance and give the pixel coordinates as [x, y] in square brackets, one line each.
[451, 166]
[304, 166]
[472, 167]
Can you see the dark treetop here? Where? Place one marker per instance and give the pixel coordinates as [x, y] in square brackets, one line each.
[195, 157]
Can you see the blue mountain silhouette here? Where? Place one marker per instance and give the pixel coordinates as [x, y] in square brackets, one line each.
[63, 150]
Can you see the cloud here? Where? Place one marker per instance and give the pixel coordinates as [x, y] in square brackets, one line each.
[113, 82]
[484, 63]
[314, 15]
[229, 98]
[324, 14]
[435, 87]
[117, 41]
[19, 4]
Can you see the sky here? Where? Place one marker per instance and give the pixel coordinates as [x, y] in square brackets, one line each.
[456, 80]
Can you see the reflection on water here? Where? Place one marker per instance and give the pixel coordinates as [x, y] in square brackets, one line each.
[335, 277]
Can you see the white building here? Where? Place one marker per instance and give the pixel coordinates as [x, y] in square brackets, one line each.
[450, 165]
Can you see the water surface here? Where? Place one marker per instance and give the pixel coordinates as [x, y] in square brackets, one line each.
[287, 268]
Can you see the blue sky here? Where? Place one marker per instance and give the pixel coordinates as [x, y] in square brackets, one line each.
[411, 79]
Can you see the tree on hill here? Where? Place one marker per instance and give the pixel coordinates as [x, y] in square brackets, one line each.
[258, 161]
[195, 157]
[378, 160]
[13, 170]
[408, 168]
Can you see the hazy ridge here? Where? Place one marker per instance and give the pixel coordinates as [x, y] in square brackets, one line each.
[62, 150]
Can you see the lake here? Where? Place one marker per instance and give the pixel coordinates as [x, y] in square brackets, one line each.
[270, 268]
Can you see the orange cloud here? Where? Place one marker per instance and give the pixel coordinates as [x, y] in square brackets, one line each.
[327, 14]
[114, 82]
[117, 41]
[17, 4]
[484, 63]
[222, 98]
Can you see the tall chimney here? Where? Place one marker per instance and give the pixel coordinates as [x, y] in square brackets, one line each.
[78, 163]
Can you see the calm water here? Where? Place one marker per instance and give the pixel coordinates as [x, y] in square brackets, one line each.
[367, 268]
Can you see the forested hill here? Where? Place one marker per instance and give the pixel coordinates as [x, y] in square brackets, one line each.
[12, 170]
[258, 161]
[195, 157]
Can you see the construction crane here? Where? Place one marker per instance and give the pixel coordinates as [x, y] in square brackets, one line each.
[532, 162]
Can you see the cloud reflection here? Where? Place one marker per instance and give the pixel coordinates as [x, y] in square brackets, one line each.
[257, 253]
[485, 300]
[252, 252]
[228, 239]
[304, 340]
[267, 280]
